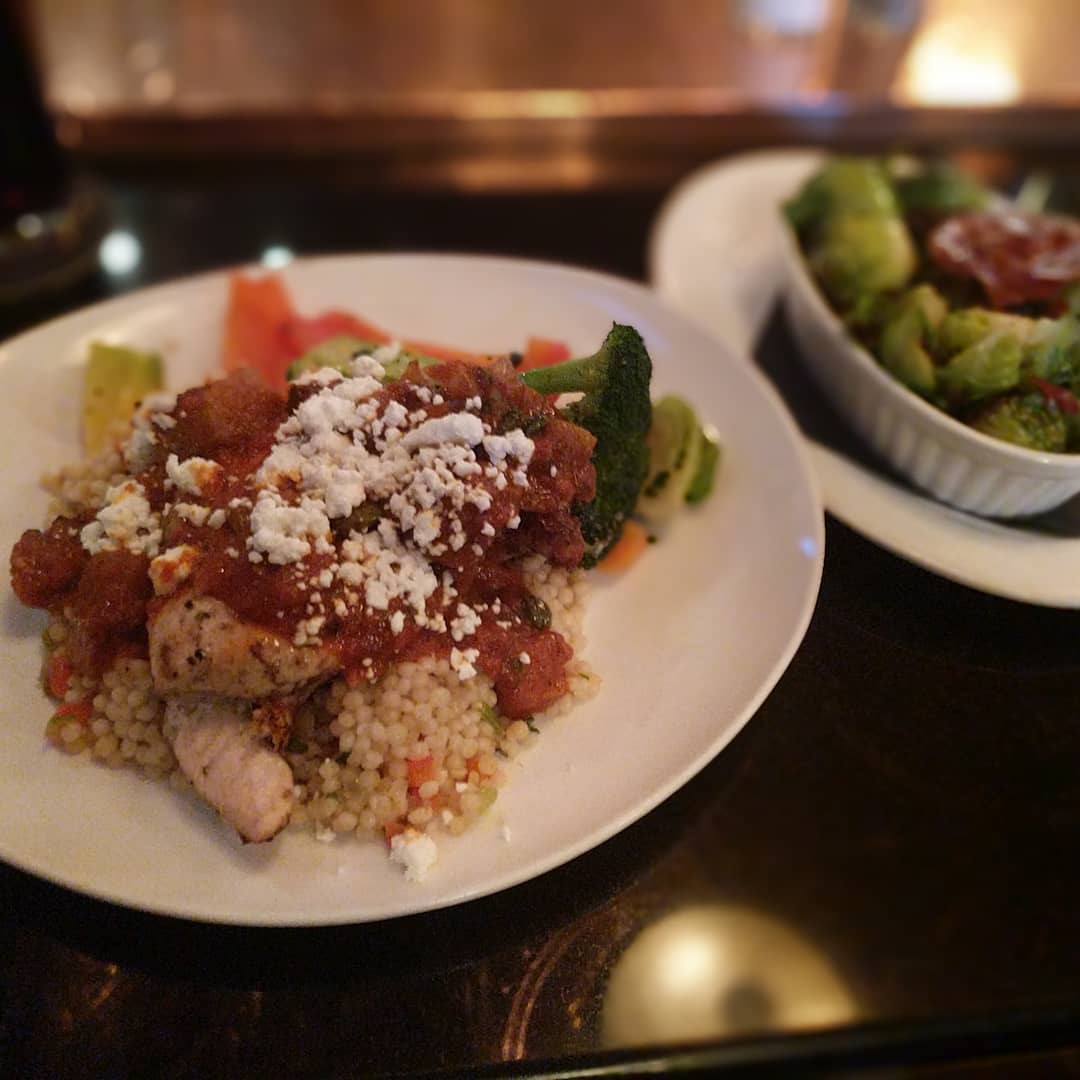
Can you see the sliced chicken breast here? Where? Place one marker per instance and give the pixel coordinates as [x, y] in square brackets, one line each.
[222, 753]
[197, 645]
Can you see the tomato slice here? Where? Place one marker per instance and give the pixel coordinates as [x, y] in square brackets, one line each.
[1016, 257]
[305, 332]
[543, 352]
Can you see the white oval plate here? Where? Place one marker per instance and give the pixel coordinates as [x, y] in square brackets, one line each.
[689, 643]
[716, 255]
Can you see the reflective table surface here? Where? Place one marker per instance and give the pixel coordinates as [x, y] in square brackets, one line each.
[882, 865]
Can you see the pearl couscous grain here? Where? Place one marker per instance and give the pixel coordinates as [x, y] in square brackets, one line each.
[420, 748]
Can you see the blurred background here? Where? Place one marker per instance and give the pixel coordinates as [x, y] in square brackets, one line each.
[539, 107]
[516, 94]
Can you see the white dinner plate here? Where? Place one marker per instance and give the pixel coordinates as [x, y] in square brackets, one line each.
[715, 254]
[689, 642]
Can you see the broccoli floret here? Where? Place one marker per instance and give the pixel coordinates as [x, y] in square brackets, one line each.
[616, 409]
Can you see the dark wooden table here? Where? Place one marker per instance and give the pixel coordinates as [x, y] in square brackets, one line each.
[905, 803]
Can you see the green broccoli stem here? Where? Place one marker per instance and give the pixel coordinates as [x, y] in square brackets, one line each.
[570, 377]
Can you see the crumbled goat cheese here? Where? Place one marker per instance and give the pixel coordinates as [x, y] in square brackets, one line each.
[514, 444]
[415, 852]
[466, 624]
[463, 661]
[284, 533]
[192, 513]
[125, 521]
[192, 475]
[172, 567]
[459, 428]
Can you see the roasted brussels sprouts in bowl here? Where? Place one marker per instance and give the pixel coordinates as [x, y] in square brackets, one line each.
[976, 405]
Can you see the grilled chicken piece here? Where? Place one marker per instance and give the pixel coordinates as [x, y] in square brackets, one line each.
[197, 645]
[222, 753]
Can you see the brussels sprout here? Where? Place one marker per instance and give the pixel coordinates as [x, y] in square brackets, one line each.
[843, 186]
[1025, 420]
[940, 189]
[961, 329]
[905, 337]
[990, 366]
[862, 254]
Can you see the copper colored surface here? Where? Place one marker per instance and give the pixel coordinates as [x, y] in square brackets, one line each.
[517, 95]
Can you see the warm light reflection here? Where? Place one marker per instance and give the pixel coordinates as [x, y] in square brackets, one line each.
[120, 252]
[29, 226]
[159, 86]
[960, 64]
[276, 256]
[713, 971]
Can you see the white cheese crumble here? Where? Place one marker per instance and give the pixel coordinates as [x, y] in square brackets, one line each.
[514, 444]
[172, 567]
[466, 624]
[415, 852]
[192, 475]
[454, 428]
[463, 662]
[284, 533]
[124, 522]
[191, 513]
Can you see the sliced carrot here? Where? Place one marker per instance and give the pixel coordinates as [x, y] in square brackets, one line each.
[421, 770]
[634, 540]
[305, 333]
[58, 675]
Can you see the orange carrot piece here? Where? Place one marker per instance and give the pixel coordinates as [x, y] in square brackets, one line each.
[58, 675]
[421, 770]
[627, 549]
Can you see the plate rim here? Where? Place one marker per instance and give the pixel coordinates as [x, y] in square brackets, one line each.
[132, 301]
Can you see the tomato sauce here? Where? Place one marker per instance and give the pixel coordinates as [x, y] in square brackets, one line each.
[233, 422]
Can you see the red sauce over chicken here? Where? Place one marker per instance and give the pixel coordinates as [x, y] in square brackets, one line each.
[231, 477]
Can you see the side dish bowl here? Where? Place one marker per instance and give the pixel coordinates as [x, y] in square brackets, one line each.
[954, 463]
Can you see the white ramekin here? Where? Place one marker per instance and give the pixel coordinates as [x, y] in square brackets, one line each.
[951, 461]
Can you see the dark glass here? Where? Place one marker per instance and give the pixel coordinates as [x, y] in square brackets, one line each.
[34, 174]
